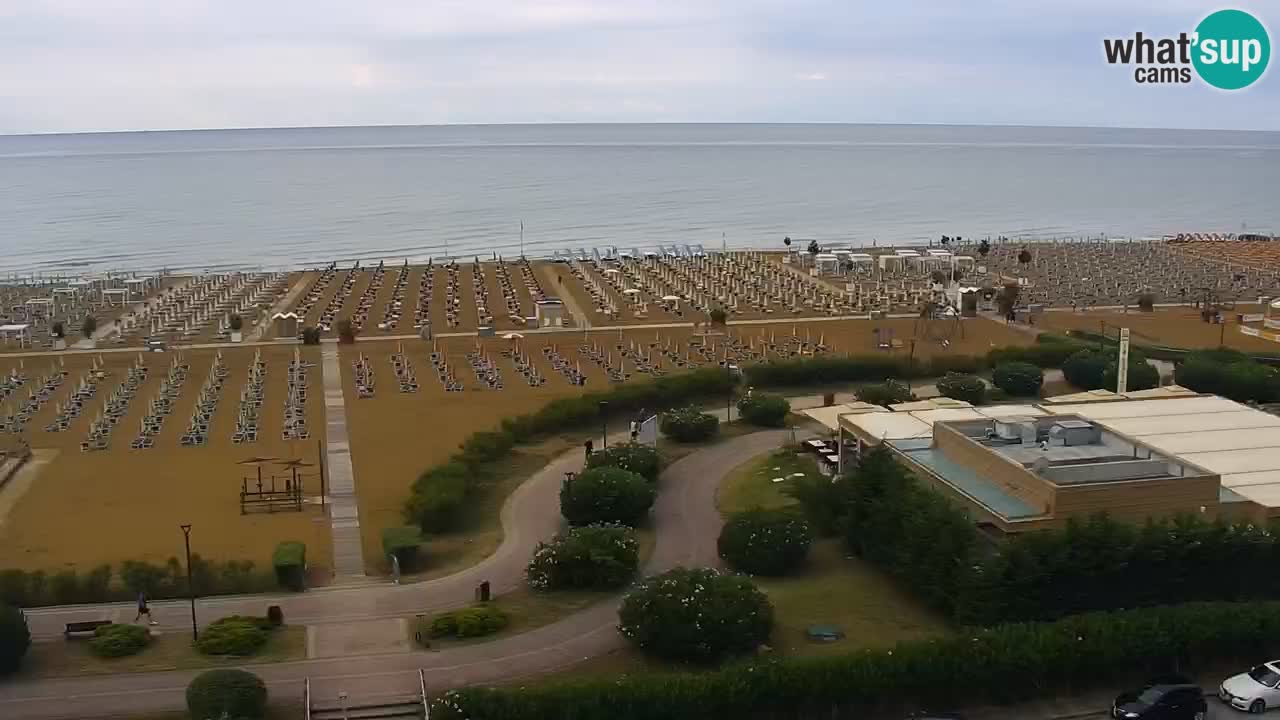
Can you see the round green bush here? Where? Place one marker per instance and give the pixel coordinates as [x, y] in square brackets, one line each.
[696, 615]
[636, 457]
[437, 496]
[764, 409]
[15, 638]
[1019, 379]
[113, 641]
[889, 392]
[227, 693]
[232, 636]
[1096, 369]
[606, 495]
[476, 621]
[689, 425]
[765, 542]
[594, 557]
[1142, 376]
[960, 386]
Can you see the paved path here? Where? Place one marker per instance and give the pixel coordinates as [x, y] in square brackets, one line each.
[685, 522]
[344, 513]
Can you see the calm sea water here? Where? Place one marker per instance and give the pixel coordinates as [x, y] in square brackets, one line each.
[302, 197]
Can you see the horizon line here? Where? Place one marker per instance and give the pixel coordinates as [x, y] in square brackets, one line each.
[620, 123]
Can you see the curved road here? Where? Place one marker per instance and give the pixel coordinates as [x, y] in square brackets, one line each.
[685, 521]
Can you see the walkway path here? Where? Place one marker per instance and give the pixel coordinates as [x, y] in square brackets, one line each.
[344, 514]
[685, 522]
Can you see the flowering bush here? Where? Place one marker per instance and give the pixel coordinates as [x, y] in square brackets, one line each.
[689, 425]
[606, 495]
[592, 557]
[638, 458]
[765, 542]
[697, 615]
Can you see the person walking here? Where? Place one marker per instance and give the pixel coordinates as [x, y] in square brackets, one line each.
[143, 609]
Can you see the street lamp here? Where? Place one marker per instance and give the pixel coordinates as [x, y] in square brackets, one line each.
[728, 398]
[191, 588]
[604, 425]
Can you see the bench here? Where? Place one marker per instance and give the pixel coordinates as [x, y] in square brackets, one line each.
[84, 626]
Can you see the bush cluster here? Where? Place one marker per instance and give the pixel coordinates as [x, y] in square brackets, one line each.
[475, 621]
[403, 543]
[15, 638]
[1065, 657]
[765, 542]
[1096, 369]
[696, 615]
[1229, 373]
[290, 563]
[436, 497]
[227, 693]
[1020, 379]
[764, 409]
[36, 588]
[636, 457]
[688, 425]
[113, 641]
[959, 386]
[889, 392]
[235, 635]
[606, 495]
[593, 557]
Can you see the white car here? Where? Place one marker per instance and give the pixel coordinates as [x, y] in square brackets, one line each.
[1255, 691]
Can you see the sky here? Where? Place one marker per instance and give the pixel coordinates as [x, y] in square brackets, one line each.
[115, 65]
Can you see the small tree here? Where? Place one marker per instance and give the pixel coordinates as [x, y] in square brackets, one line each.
[227, 693]
[984, 247]
[696, 615]
[58, 329]
[1018, 378]
[606, 495]
[960, 386]
[889, 392]
[15, 638]
[765, 542]
[814, 248]
[346, 332]
[437, 496]
[311, 336]
[595, 557]
[689, 425]
[89, 326]
[1024, 257]
[636, 457]
[764, 409]
[236, 322]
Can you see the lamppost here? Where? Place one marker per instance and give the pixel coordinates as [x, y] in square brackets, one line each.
[191, 588]
[604, 425]
[728, 397]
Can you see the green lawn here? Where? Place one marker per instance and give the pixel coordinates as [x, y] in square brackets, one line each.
[171, 651]
[751, 485]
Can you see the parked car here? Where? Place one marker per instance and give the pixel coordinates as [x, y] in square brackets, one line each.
[1255, 690]
[1166, 698]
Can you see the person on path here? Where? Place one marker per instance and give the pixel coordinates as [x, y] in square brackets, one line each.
[143, 609]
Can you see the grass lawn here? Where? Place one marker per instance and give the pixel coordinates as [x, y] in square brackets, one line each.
[751, 485]
[171, 651]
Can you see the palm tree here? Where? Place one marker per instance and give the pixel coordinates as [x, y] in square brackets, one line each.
[984, 247]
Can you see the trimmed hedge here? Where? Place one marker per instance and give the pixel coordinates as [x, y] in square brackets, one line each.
[764, 409]
[15, 638]
[592, 557]
[635, 457]
[234, 635]
[475, 621]
[1096, 369]
[34, 589]
[689, 425]
[227, 693]
[403, 543]
[696, 615]
[437, 496]
[606, 495]
[968, 388]
[889, 392]
[1020, 379]
[290, 563]
[113, 641]
[1229, 373]
[765, 542]
[1069, 656]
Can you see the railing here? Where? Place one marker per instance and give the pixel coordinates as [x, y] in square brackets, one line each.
[306, 698]
[426, 706]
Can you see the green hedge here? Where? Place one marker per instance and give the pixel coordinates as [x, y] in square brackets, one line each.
[635, 457]
[764, 409]
[765, 542]
[1069, 656]
[34, 589]
[688, 425]
[475, 621]
[606, 495]
[113, 641]
[696, 615]
[404, 544]
[1019, 379]
[437, 495]
[227, 693]
[959, 386]
[889, 392]
[290, 563]
[596, 557]
[234, 635]
[15, 638]
[1229, 373]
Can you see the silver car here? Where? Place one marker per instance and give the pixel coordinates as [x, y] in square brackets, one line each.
[1255, 691]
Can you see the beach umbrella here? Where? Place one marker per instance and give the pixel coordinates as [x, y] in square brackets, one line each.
[512, 336]
[259, 462]
[631, 291]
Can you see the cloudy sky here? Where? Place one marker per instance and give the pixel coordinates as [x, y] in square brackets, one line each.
[87, 65]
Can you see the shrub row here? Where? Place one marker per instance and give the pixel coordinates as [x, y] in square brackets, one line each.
[1095, 369]
[209, 577]
[290, 563]
[959, 386]
[1047, 659]
[594, 557]
[1229, 373]
[475, 621]
[119, 640]
[15, 638]
[764, 409]
[238, 635]
[638, 458]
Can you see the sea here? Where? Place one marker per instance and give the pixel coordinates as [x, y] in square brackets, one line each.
[304, 197]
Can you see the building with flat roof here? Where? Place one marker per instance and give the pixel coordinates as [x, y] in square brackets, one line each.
[1025, 467]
